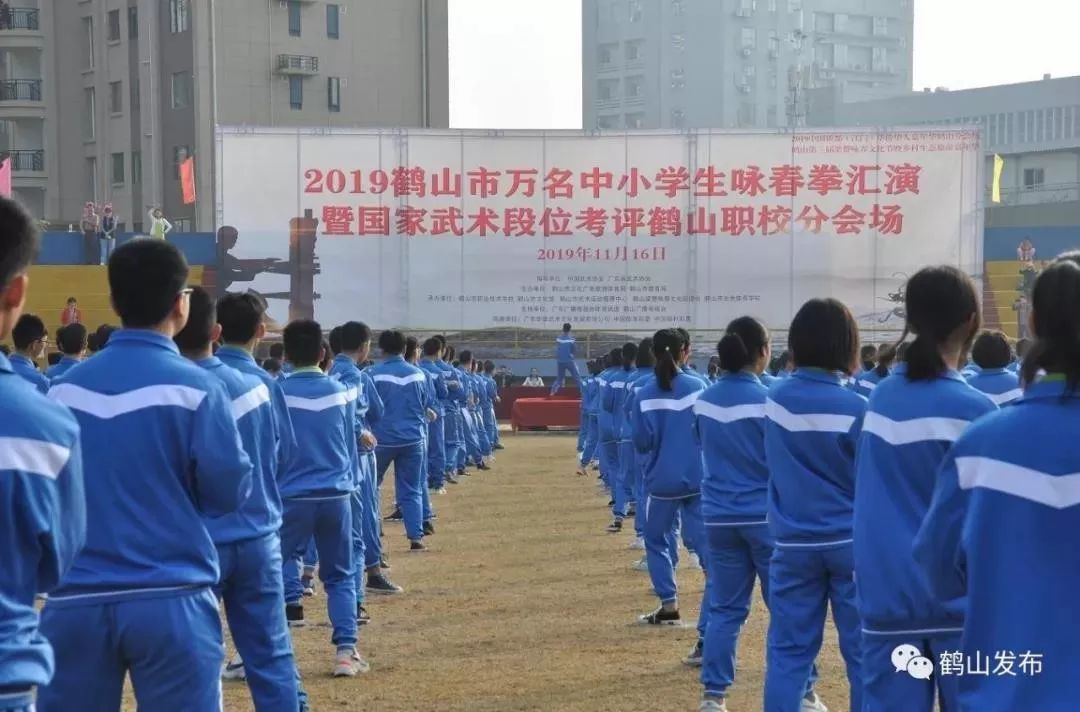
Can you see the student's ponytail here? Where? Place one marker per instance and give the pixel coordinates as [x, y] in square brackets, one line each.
[939, 302]
[1056, 315]
[743, 343]
[668, 345]
[629, 354]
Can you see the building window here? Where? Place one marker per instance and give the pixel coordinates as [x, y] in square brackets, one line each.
[605, 54]
[635, 87]
[296, 93]
[135, 93]
[678, 79]
[748, 37]
[89, 112]
[136, 167]
[181, 90]
[635, 121]
[90, 165]
[634, 51]
[678, 118]
[333, 93]
[746, 8]
[114, 25]
[1034, 178]
[294, 18]
[772, 5]
[1040, 124]
[179, 16]
[116, 98]
[333, 21]
[607, 122]
[636, 10]
[747, 114]
[678, 8]
[794, 5]
[678, 41]
[179, 155]
[133, 22]
[880, 60]
[118, 169]
[88, 42]
[881, 26]
[608, 90]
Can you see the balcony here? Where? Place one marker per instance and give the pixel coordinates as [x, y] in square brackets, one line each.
[27, 161]
[28, 90]
[297, 65]
[20, 27]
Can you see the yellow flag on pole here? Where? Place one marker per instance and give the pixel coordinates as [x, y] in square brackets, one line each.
[999, 166]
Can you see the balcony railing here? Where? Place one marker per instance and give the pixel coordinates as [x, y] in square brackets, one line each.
[20, 18]
[297, 64]
[20, 90]
[27, 161]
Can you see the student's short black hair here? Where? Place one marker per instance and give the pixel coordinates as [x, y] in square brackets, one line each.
[54, 358]
[277, 349]
[465, 357]
[71, 339]
[18, 240]
[195, 336]
[489, 367]
[441, 338]
[824, 335]
[28, 329]
[991, 350]
[272, 366]
[566, 327]
[327, 355]
[868, 353]
[432, 346]
[354, 334]
[71, 300]
[334, 340]
[411, 347]
[240, 314]
[145, 278]
[303, 342]
[392, 342]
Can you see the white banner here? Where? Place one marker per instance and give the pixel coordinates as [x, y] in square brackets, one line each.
[448, 230]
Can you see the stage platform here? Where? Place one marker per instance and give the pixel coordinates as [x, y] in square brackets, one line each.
[546, 414]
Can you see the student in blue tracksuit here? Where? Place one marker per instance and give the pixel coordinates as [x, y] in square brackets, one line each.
[644, 364]
[491, 425]
[71, 340]
[589, 417]
[865, 383]
[992, 354]
[30, 339]
[401, 431]
[161, 447]
[662, 427]
[43, 510]
[436, 460]
[452, 407]
[248, 546]
[811, 428]
[609, 438]
[412, 357]
[483, 402]
[564, 359]
[730, 428]
[913, 418]
[1004, 515]
[615, 403]
[583, 430]
[317, 487]
[473, 448]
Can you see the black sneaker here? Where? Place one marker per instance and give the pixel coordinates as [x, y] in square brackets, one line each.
[397, 516]
[294, 615]
[611, 503]
[661, 617]
[380, 584]
[429, 528]
[631, 510]
[452, 479]
[362, 617]
[384, 563]
[417, 547]
[483, 466]
[499, 446]
[615, 527]
[696, 656]
[462, 473]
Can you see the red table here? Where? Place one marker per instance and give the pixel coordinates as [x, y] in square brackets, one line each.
[535, 413]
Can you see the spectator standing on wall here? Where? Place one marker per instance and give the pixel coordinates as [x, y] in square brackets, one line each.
[159, 226]
[71, 313]
[106, 234]
[88, 224]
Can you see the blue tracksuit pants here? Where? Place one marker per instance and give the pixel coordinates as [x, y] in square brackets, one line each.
[638, 486]
[564, 368]
[491, 424]
[453, 439]
[436, 457]
[356, 531]
[254, 599]
[592, 438]
[624, 491]
[171, 646]
[372, 510]
[609, 459]
[330, 521]
[802, 585]
[425, 492]
[472, 438]
[886, 689]
[583, 431]
[310, 558]
[409, 467]
[660, 516]
[482, 439]
[21, 701]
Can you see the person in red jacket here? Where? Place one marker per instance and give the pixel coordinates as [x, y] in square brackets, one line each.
[71, 313]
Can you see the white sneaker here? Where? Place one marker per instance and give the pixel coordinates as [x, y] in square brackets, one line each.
[638, 544]
[234, 669]
[641, 564]
[712, 705]
[693, 562]
[812, 703]
[348, 663]
[441, 490]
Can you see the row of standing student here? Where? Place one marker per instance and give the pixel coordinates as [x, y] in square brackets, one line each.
[802, 485]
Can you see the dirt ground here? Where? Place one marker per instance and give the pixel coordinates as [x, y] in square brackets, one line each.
[525, 603]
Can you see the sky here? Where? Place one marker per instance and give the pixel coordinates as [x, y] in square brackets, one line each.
[517, 63]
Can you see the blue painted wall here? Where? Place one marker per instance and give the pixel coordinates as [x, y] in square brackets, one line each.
[1000, 243]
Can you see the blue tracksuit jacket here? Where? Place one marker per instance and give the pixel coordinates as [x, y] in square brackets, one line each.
[909, 426]
[865, 382]
[564, 348]
[605, 418]
[662, 427]
[66, 364]
[403, 390]
[28, 370]
[162, 453]
[634, 379]
[345, 371]
[42, 520]
[999, 530]
[1001, 385]
[811, 428]
[323, 413]
[260, 513]
[615, 400]
[438, 379]
[730, 425]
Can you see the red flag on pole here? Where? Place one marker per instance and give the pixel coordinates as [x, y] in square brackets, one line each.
[5, 177]
[187, 180]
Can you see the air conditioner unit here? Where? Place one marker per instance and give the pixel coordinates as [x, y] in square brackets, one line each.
[747, 51]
